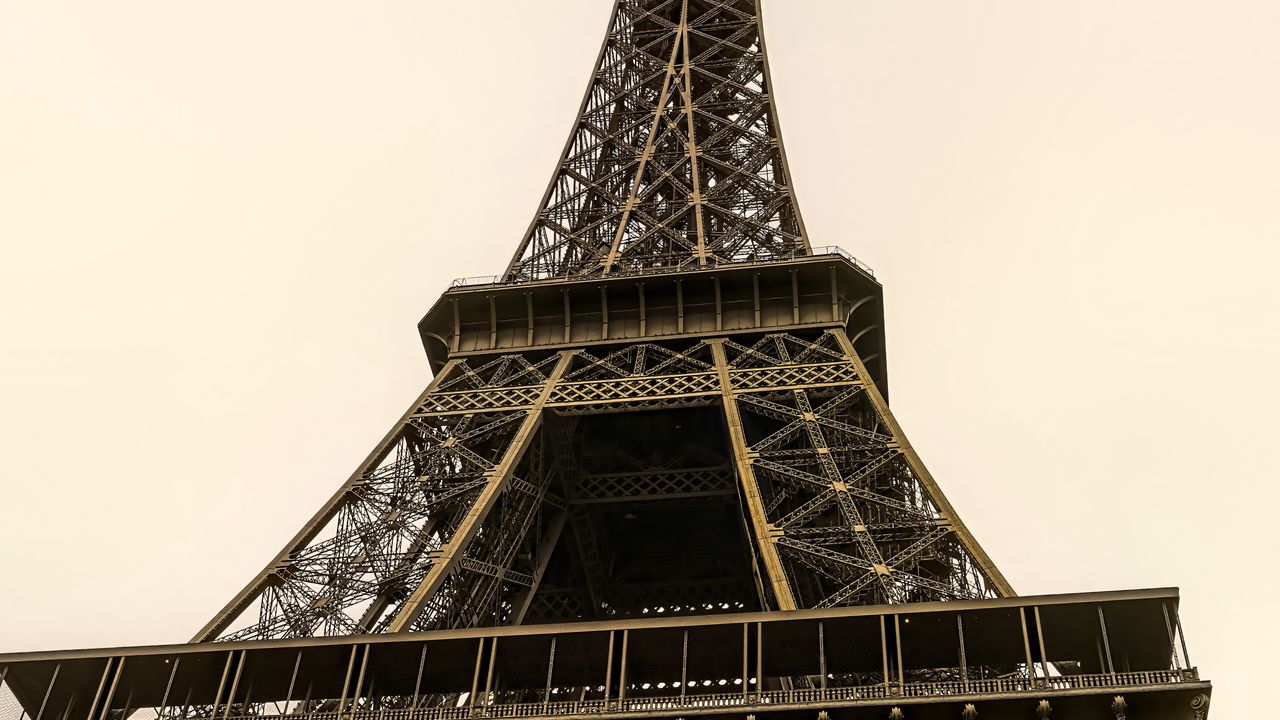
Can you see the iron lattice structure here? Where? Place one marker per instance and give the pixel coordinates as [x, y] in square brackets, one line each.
[670, 405]
[455, 520]
[676, 158]
[750, 463]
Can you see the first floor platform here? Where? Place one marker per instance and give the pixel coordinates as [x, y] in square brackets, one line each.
[1078, 656]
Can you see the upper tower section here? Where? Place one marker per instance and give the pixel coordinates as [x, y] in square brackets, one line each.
[676, 160]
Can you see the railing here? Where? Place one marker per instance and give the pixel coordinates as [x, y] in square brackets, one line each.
[679, 264]
[764, 699]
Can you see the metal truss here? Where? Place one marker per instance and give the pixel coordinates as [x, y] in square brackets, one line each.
[676, 159]
[451, 522]
[427, 525]
[844, 511]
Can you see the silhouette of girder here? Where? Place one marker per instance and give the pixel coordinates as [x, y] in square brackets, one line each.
[675, 159]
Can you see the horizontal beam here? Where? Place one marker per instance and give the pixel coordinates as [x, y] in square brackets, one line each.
[1026, 601]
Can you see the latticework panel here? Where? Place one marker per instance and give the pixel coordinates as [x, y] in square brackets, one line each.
[850, 513]
[452, 522]
[676, 159]
[398, 521]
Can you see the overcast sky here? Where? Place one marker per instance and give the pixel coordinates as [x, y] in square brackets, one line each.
[220, 221]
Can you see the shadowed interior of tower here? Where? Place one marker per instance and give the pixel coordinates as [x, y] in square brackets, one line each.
[654, 524]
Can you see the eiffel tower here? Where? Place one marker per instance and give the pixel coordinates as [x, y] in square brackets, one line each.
[655, 474]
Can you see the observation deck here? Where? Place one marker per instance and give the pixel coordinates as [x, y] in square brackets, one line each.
[818, 289]
[1078, 656]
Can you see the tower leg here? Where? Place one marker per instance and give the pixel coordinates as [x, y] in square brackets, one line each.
[775, 575]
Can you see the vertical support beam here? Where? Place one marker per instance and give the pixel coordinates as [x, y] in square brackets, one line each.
[679, 306]
[551, 666]
[780, 166]
[884, 654]
[691, 146]
[759, 660]
[795, 298]
[746, 652]
[364, 667]
[456, 341]
[97, 695]
[417, 683]
[346, 680]
[568, 316]
[168, 686]
[528, 308]
[622, 670]
[755, 296]
[835, 297]
[217, 696]
[1182, 638]
[1044, 654]
[633, 197]
[493, 322]
[604, 313]
[822, 658]
[488, 677]
[475, 675]
[551, 669]
[644, 319]
[964, 661]
[1106, 642]
[1173, 646]
[608, 669]
[684, 662]
[293, 680]
[780, 586]
[1026, 647]
[499, 477]
[719, 306]
[980, 557]
[897, 638]
[48, 690]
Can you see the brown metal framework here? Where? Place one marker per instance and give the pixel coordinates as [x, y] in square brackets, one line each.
[1087, 656]
[668, 405]
[454, 522]
[721, 446]
[676, 158]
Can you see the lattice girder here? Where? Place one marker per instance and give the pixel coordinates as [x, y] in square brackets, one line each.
[841, 488]
[452, 525]
[675, 159]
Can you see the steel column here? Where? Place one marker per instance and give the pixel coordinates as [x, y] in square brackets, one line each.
[779, 585]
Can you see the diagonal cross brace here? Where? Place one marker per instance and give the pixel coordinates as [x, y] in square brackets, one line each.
[451, 553]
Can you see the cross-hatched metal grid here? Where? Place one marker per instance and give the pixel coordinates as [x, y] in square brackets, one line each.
[441, 527]
[439, 508]
[848, 507]
[675, 159]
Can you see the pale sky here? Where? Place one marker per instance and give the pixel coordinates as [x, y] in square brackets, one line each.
[220, 222]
